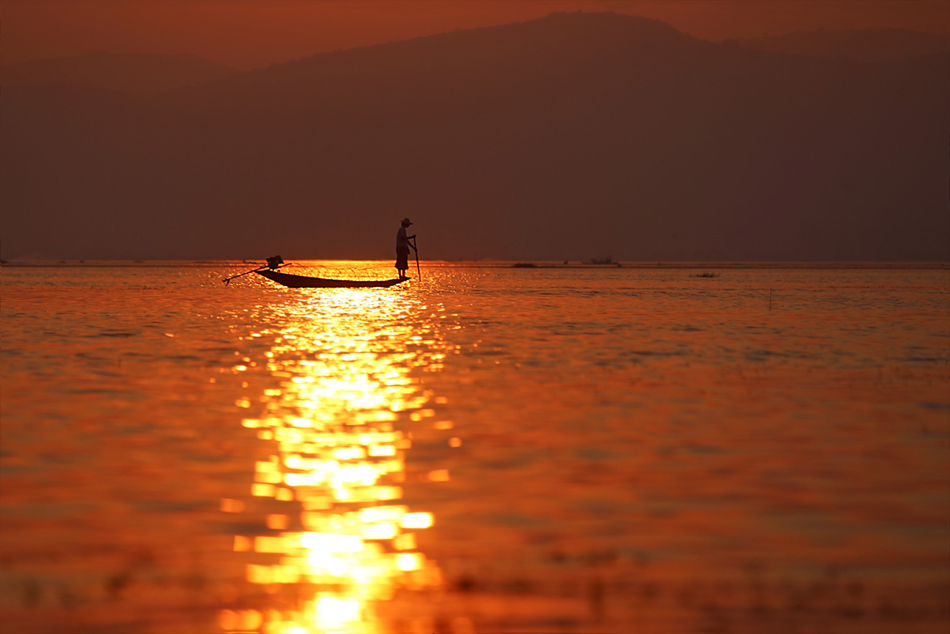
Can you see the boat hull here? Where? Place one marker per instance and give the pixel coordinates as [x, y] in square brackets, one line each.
[302, 281]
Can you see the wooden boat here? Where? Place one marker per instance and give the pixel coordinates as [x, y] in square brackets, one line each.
[302, 281]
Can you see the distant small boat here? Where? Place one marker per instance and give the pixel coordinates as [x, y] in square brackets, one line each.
[302, 281]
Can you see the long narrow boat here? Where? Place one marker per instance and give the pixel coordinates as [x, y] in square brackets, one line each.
[302, 281]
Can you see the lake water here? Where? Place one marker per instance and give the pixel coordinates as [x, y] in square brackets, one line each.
[492, 449]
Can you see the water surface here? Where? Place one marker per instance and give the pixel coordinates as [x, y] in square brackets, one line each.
[491, 449]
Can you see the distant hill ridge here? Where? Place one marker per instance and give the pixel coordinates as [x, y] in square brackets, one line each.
[567, 137]
[539, 40]
[153, 73]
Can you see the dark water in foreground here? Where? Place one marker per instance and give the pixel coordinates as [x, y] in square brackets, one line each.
[489, 450]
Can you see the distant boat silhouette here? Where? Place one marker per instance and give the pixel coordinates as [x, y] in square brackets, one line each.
[303, 281]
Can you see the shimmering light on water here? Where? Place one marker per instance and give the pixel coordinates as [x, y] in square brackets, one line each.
[344, 369]
[490, 450]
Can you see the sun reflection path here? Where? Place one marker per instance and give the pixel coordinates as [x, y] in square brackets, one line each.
[345, 367]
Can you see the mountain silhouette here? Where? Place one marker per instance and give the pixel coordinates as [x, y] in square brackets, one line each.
[568, 137]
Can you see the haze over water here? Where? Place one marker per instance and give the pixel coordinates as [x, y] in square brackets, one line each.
[491, 449]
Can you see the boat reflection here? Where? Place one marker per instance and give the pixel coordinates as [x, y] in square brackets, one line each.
[344, 363]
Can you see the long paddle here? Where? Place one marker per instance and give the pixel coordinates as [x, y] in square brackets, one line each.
[227, 280]
[416, 248]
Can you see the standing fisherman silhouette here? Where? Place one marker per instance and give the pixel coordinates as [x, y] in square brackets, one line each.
[403, 244]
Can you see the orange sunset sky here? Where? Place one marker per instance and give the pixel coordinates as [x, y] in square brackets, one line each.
[251, 33]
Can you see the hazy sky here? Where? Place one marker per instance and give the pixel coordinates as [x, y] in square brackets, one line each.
[249, 33]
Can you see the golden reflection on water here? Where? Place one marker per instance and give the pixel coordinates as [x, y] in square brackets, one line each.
[344, 360]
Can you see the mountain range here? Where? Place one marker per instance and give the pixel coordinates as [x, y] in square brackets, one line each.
[569, 137]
